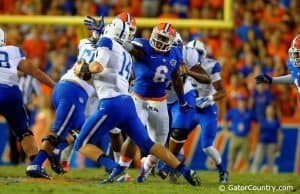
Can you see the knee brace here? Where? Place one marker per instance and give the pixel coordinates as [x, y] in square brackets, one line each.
[179, 135]
[51, 139]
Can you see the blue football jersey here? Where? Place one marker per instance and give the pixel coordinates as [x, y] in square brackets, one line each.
[295, 72]
[154, 70]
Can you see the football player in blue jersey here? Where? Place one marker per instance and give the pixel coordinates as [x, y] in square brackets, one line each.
[293, 65]
[12, 108]
[69, 99]
[157, 62]
[111, 69]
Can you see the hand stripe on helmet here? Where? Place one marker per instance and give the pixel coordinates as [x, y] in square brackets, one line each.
[167, 26]
[123, 29]
[128, 18]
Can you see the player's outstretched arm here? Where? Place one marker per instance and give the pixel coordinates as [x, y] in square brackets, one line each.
[264, 78]
[134, 48]
[27, 67]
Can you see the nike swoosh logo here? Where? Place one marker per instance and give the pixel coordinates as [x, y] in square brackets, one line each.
[153, 57]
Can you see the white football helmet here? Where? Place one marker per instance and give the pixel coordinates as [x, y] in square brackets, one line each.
[294, 51]
[162, 37]
[118, 30]
[126, 17]
[199, 46]
[2, 37]
[178, 42]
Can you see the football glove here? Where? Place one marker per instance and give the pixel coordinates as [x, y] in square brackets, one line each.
[263, 78]
[94, 24]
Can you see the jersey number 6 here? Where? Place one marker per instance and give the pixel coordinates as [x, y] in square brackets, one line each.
[160, 74]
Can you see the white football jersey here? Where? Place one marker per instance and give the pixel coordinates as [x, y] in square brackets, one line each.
[190, 58]
[212, 68]
[117, 64]
[86, 51]
[10, 57]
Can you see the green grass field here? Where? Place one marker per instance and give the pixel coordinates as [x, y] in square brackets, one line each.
[85, 181]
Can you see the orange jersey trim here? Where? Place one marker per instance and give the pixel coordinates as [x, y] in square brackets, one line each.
[160, 99]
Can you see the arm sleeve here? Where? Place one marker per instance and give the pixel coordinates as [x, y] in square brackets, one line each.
[285, 79]
[215, 72]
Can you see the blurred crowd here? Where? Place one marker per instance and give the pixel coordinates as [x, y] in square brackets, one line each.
[258, 43]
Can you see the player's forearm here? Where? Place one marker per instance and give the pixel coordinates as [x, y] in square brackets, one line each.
[219, 95]
[285, 79]
[44, 78]
[134, 50]
[199, 77]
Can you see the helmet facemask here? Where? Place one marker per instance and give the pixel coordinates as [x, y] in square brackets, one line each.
[161, 42]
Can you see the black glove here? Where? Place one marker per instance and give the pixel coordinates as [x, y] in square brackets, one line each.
[263, 78]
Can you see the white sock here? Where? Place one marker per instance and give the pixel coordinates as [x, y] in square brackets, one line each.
[213, 153]
[116, 156]
[125, 161]
[67, 153]
[150, 162]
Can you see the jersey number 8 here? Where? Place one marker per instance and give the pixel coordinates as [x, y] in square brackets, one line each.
[4, 63]
[160, 74]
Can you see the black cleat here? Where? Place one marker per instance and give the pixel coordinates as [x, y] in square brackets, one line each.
[192, 178]
[55, 164]
[223, 177]
[36, 171]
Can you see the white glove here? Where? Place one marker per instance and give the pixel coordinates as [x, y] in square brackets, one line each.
[204, 101]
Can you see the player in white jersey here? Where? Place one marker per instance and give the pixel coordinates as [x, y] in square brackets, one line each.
[12, 108]
[111, 70]
[182, 122]
[206, 108]
[69, 99]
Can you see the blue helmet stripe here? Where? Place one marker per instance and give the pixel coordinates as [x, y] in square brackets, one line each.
[123, 29]
[128, 18]
[167, 26]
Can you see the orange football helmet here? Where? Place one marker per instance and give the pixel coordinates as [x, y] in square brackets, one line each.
[126, 17]
[162, 37]
[294, 51]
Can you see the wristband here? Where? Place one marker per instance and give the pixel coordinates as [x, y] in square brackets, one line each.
[181, 99]
[210, 97]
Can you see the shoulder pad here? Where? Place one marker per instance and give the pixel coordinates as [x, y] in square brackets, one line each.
[105, 42]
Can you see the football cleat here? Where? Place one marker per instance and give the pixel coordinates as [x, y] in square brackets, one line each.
[223, 177]
[143, 173]
[116, 172]
[124, 178]
[65, 165]
[55, 164]
[36, 171]
[192, 178]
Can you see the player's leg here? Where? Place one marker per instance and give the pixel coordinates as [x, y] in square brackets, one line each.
[116, 140]
[137, 132]
[128, 148]
[208, 121]
[257, 158]
[69, 100]
[158, 129]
